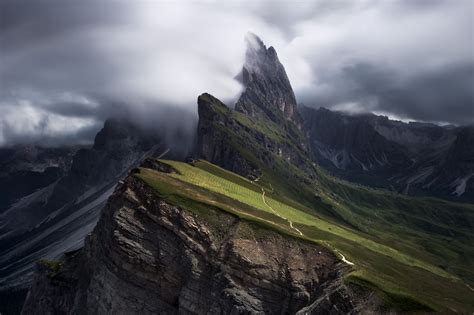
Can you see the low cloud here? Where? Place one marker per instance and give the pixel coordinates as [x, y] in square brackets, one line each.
[67, 66]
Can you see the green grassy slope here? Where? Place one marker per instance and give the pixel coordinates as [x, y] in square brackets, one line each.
[423, 246]
[439, 231]
[404, 263]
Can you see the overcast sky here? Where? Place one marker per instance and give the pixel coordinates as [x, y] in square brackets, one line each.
[67, 65]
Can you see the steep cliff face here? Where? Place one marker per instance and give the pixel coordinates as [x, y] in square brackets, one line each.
[244, 144]
[454, 172]
[267, 88]
[147, 256]
[215, 142]
[264, 129]
[351, 143]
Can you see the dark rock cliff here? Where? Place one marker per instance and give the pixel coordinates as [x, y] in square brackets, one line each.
[146, 256]
[244, 144]
[350, 146]
[265, 126]
[215, 142]
[453, 173]
[267, 88]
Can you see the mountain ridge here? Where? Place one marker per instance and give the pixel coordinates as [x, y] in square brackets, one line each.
[415, 158]
[282, 188]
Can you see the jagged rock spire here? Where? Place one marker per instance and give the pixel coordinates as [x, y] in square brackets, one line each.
[267, 88]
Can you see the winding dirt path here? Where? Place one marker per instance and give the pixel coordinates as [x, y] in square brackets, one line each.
[343, 258]
[279, 215]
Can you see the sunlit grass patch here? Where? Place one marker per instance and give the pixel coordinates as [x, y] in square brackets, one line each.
[403, 271]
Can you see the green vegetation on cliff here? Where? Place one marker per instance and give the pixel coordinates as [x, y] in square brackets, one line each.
[407, 274]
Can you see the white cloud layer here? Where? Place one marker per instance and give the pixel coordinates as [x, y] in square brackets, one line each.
[23, 119]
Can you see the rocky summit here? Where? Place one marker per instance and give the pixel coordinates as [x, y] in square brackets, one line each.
[267, 89]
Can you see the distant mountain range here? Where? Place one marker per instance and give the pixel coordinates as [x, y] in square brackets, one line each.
[411, 158]
[51, 198]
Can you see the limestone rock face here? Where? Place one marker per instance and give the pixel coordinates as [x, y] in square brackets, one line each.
[146, 256]
[267, 88]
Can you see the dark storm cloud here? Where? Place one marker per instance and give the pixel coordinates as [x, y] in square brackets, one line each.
[66, 66]
[49, 45]
[408, 59]
[443, 95]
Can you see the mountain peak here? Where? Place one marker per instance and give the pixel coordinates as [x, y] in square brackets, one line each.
[257, 57]
[267, 88]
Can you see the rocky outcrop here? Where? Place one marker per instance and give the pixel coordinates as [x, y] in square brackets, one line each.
[231, 140]
[147, 256]
[218, 138]
[267, 88]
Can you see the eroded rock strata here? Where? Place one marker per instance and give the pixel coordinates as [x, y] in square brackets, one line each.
[147, 256]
